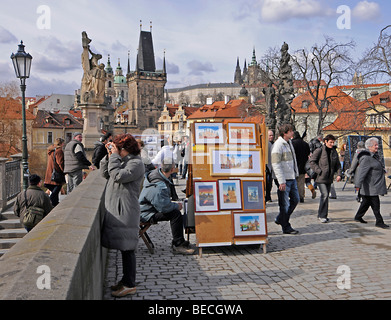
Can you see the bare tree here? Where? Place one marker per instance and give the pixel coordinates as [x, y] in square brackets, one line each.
[376, 61]
[320, 68]
[9, 89]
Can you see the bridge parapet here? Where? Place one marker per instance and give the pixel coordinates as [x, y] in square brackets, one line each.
[62, 257]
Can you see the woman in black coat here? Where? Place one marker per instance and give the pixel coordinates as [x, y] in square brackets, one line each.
[325, 162]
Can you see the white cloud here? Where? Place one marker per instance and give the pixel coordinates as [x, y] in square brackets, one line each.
[367, 11]
[283, 10]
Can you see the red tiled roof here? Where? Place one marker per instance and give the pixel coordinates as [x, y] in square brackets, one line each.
[56, 120]
[338, 101]
[6, 150]
[11, 109]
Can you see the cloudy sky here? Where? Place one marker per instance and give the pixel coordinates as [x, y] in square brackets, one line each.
[202, 38]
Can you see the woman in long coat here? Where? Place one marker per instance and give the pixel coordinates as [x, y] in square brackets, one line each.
[371, 182]
[325, 162]
[55, 160]
[124, 170]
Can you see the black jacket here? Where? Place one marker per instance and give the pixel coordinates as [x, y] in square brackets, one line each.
[302, 151]
[100, 152]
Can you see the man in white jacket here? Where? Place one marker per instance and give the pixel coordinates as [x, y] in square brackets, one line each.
[285, 171]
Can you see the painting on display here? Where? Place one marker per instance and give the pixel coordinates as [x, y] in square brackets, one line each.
[227, 162]
[205, 196]
[208, 133]
[230, 194]
[241, 133]
[249, 224]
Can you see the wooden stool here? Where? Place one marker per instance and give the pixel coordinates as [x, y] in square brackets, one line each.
[144, 226]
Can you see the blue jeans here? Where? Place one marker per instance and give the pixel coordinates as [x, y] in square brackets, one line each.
[287, 201]
[324, 200]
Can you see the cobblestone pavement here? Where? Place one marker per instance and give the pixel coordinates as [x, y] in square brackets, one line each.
[316, 264]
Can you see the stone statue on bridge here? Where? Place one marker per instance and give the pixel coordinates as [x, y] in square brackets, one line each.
[94, 76]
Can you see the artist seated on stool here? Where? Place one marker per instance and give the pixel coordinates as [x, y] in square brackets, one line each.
[156, 204]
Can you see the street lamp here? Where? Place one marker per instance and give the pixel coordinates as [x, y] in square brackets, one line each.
[22, 66]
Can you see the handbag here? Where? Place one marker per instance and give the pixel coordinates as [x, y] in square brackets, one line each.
[33, 215]
[57, 177]
[311, 173]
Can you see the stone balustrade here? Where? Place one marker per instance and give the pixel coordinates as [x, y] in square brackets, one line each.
[62, 257]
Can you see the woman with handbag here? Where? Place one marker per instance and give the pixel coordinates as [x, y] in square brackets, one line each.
[55, 177]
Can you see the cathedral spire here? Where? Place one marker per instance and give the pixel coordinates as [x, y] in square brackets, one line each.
[254, 59]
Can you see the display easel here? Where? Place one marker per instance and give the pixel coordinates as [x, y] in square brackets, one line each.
[227, 181]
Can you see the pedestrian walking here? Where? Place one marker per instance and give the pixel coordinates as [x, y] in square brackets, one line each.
[124, 170]
[325, 162]
[302, 151]
[285, 172]
[370, 182]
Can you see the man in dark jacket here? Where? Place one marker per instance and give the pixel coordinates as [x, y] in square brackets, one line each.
[370, 182]
[302, 151]
[325, 162]
[33, 197]
[156, 205]
[75, 161]
[100, 150]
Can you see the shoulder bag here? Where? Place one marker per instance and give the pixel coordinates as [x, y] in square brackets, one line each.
[33, 215]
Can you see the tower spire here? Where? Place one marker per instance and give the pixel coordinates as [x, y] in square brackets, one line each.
[128, 71]
[164, 61]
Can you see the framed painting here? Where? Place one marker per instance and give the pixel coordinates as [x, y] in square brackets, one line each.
[226, 162]
[242, 133]
[248, 224]
[230, 195]
[252, 191]
[208, 133]
[205, 196]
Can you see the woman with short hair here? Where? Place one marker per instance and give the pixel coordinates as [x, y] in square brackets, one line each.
[370, 182]
[124, 170]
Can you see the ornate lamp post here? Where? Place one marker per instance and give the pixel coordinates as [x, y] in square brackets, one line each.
[22, 66]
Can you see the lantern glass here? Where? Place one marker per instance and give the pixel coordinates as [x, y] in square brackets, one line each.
[22, 62]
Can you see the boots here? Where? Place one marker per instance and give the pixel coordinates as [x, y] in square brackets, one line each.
[312, 189]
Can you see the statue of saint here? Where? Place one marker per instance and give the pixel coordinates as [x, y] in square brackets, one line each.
[94, 77]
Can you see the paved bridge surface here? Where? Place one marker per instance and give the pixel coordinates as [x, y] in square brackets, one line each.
[339, 260]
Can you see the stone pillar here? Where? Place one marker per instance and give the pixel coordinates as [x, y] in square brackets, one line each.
[3, 192]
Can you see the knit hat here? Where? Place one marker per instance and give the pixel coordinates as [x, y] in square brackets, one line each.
[34, 179]
[77, 134]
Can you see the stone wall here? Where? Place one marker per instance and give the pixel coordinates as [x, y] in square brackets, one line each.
[61, 258]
